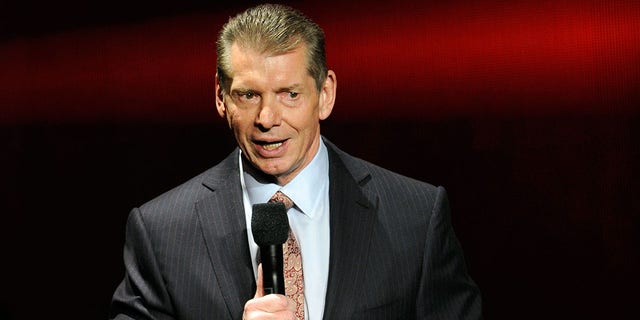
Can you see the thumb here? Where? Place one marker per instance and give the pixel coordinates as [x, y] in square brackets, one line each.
[259, 285]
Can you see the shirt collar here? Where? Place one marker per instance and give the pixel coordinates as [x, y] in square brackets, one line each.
[302, 190]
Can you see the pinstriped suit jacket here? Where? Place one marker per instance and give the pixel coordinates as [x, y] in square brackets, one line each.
[393, 253]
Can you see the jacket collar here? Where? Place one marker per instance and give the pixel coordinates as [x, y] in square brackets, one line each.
[352, 217]
[225, 233]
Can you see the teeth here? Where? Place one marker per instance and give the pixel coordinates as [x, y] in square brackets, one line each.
[272, 146]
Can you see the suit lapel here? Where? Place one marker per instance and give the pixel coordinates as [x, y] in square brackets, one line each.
[352, 214]
[223, 225]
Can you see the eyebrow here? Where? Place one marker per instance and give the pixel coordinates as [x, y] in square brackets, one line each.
[293, 87]
[242, 89]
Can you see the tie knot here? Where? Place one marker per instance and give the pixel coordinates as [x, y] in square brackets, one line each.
[281, 197]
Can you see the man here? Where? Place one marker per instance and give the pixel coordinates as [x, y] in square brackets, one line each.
[372, 244]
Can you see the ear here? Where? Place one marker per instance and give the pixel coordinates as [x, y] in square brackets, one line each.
[327, 95]
[222, 109]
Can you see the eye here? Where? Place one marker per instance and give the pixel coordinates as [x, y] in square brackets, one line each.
[293, 95]
[248, 95]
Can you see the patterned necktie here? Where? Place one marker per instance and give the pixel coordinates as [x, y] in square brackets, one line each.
[293, 278]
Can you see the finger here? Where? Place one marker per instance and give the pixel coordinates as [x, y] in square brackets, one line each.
[291, 305]
[259, 285]
[270, 304]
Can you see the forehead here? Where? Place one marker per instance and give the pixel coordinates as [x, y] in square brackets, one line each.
[252, 67]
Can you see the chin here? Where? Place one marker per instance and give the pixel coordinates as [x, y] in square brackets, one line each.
[271, 168]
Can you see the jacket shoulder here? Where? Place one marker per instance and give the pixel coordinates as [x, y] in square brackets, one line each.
[366, 173]
[183, 197]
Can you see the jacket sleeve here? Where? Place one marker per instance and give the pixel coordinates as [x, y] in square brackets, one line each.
[446, 290]
[142, 294]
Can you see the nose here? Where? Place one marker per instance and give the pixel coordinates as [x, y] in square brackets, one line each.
[269, 114]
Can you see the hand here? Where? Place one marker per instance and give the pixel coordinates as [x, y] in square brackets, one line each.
[271, 306]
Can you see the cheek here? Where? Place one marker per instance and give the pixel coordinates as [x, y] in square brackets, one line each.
[303, 117]
[309, 120]
[232, 115]
[239, 122]
[228, 116]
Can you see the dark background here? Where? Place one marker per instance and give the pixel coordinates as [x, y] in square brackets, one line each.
[526, 111]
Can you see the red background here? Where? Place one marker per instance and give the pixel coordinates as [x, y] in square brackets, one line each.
[526, 111]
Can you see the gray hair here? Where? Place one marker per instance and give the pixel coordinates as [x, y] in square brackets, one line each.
[272, 29]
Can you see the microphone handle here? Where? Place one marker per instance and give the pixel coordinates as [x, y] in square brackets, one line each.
[272, 269]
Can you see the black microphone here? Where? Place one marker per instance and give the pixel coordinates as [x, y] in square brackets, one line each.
[270, 228]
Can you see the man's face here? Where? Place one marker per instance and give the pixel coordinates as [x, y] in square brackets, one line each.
[274, 109]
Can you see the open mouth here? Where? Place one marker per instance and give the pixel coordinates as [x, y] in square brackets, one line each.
[270, 145]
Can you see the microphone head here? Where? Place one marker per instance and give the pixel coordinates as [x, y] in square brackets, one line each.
[269, 223]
